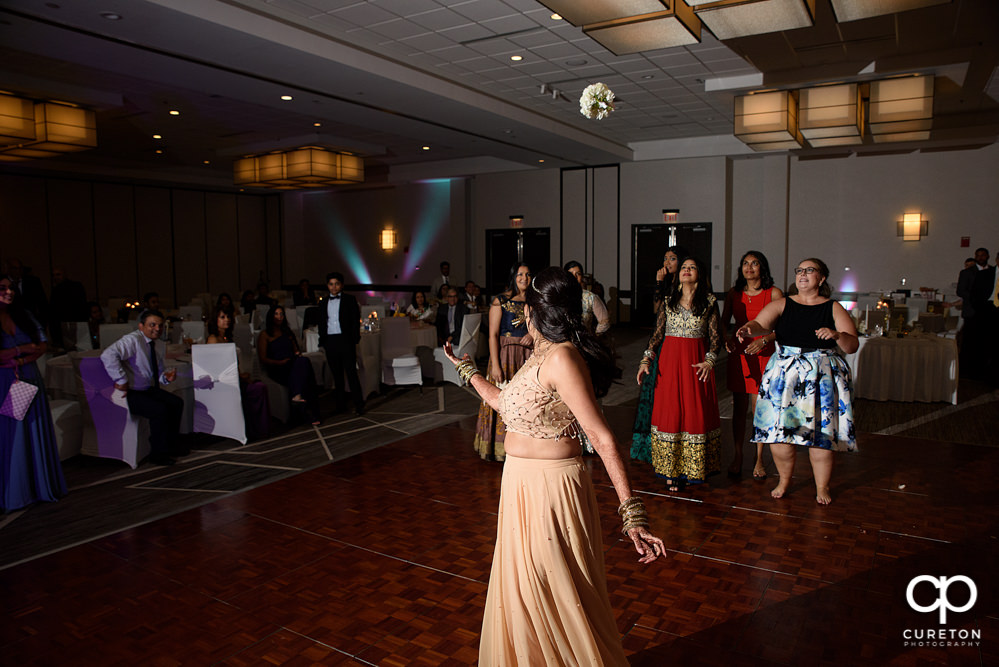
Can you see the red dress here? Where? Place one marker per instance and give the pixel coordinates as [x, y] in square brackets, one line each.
[745, 370]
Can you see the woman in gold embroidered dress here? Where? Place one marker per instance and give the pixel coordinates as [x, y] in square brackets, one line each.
[509, 348]
[686, 429]
[547, 602]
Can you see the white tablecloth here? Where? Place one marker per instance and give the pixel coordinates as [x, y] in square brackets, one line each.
[369, 355]
[914, 368]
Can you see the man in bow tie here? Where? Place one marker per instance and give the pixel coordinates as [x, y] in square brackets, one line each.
[339, 334]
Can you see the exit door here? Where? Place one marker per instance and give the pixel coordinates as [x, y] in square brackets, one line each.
[648, 245]
[505, 247]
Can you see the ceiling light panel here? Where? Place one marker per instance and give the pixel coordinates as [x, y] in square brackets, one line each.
[660, 30]
[854, 10]
[730, 19]
[597, 11]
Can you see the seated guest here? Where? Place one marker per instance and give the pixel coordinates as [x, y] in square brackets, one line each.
[440, 296]
[449, 316]
[94, 323]
[248, 302]
[263, 295]
[420, 310]
[304, 295]
[151, 301]
[256, 408]
[225, 302]
[284, 363]
[472, 297]
[29, 454]
[135, 364]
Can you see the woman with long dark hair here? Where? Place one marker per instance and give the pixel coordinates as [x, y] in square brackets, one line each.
[30, 470]
[753, 289]
[284, 363]
[547, 601]
[806, 392]
[509, 347]
[641, 439]
[256, 405]
[686, 428]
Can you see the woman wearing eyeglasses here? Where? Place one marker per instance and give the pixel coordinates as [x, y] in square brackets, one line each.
[806, 392]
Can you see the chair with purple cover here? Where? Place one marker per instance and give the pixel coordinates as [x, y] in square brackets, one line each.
[110, 430]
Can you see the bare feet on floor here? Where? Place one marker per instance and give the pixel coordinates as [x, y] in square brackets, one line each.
[759, 472]
[822, 495]
[778, 491]
[297, 398]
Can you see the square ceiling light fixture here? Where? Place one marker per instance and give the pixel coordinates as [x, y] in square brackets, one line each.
[831, 115]
[768, 121]
[31, 130]
[306, 167]
[677, 26]
[854, 10]
[901, 109]
[730, 19]
[597, 11]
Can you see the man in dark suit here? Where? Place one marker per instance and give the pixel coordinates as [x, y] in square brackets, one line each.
[449, 316]
[30, 288]
[973, 286]
[985, 300]
[339, 319]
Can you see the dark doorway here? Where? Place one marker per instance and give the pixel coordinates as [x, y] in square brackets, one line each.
[648, 245]
[504, 247]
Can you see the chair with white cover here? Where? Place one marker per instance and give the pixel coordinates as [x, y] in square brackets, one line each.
[300, 314]
[109, 333]
[242, 336]
[291, 316]
[191, 313]
[67, 422]
[260, 317]
[110, 430]
[76, 335]
[194, 330]
[218, 408]
[400, 365]
[466, 345]
[311, 339]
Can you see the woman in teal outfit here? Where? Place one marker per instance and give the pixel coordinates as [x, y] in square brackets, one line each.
[641, 439]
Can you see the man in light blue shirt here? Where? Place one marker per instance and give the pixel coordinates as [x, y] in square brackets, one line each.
[135, 364]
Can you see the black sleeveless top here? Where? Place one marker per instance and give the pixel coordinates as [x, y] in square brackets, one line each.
[797, 324]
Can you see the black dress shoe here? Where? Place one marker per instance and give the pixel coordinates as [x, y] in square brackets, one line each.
[360, 410]
[161, 460]
[180, 451]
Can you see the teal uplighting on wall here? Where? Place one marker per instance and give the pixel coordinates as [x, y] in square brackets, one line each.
[339, 232]
[431, 218]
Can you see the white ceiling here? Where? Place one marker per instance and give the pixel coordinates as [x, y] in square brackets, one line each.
[386, 77]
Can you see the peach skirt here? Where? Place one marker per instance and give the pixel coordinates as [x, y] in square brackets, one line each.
[547, 602]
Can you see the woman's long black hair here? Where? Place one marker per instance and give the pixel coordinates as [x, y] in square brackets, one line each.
[213, 322]
[270, 323]
[699, 304]
[681, 254]
[556, 302]
[23, 319]
[512, 282]
[766, 280]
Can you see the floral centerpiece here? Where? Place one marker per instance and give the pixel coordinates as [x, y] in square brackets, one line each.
[597, 101]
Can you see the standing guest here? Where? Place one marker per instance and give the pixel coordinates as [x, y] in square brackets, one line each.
[985, 297]
[753, 289]
[29, 455]
[806, 393]
[449, 317]
[547, 601]
[248, 302]
[974, 292]
[686, 428]
[256, 406]
[641, 447]
[419, 309]
[509, 347]
[68, 304]
[31, 294]
[283, 361]
[339, 334]
[444, 279]
[94, 323]
[304, 295]
[595, 315]
[135, 364]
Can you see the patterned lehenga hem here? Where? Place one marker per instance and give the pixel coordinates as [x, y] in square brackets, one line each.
[689, 456]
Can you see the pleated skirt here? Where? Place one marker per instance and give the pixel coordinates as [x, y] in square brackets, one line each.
[490, 431]
[547, 602]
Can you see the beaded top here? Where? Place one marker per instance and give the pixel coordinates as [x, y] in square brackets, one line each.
[530, 409]
[513, 323]
[683, 323]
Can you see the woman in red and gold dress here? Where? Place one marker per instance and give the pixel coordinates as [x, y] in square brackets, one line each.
[753, 289]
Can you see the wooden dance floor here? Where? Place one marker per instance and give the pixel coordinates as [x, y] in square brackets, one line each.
[383, 559]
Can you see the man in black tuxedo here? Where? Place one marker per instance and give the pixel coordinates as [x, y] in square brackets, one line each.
[985, 300]
[339, 319]
[449, 316]
[974, 286]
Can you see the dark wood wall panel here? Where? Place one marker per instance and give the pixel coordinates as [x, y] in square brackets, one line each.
[24, 224]
[114, 220]
[275, 273]
[252, 215]
[221, 232]
[189, 244]
[71, 229]
[154, 244]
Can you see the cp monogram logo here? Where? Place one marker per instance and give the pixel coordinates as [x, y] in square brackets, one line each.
[942, 603]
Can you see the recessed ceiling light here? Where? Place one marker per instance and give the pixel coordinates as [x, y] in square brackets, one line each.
[648, 76]
[577, 62]
[208, 161]
[159, 151]
[157, 136]
[317, 125]
[287, 98]
[540, 160]
[111, 16]
[426, 148]
[516, 58]
[174, 112]
[556, 17]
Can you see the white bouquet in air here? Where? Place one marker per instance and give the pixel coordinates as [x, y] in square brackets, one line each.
[597, 101]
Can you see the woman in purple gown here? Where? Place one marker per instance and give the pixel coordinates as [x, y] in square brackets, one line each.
[284, 363]
[30, 470]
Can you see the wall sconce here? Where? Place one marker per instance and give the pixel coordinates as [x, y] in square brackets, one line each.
[831, 115]
[30, 130]
[730, 19]
[901, 109]
[768, 121]
[516, 221]
[912, 227]
[306, 167]
[389, 239]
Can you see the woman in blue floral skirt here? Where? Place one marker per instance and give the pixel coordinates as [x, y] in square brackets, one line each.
[806, 393]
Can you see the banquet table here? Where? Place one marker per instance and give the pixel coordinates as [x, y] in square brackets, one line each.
[914, 368]
[369, 354]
